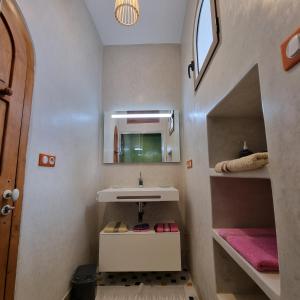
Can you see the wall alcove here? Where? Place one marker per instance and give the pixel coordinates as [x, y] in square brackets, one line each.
[240, 200]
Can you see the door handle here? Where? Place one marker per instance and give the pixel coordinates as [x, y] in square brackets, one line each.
[191, 67]
[13, 195]
[6, 91]
[6, 210]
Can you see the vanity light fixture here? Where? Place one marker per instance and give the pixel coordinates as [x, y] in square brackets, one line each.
[127, 12]
[141, 116]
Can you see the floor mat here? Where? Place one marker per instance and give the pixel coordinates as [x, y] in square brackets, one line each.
[141, 292]
[147, 278]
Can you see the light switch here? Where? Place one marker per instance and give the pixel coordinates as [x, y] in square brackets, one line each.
[189, 164]
[47, 160]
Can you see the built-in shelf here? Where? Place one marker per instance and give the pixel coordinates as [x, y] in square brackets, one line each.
[236, 118]
[268, 282]
[224, 296]
[241, 202]
[259, 173]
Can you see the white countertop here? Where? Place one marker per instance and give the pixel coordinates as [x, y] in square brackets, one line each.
[138, 194]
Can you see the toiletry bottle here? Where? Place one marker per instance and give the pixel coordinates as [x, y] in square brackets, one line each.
[245, 151]
[141, 182]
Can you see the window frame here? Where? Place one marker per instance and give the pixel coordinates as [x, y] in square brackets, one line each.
[215, 31]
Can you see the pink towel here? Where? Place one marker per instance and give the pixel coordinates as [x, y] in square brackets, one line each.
[173, 227]
[159, 227]
[226, 232]
[260, 252]
[167, 227]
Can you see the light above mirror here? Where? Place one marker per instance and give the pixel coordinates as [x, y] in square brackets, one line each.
[148, 136]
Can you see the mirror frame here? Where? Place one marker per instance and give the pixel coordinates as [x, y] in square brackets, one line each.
[212, 49]
[174, 126]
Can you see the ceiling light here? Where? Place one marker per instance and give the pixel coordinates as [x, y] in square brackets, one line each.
[141, 116]
[127, 12]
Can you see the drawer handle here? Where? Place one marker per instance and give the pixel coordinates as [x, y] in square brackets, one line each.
[139, 197]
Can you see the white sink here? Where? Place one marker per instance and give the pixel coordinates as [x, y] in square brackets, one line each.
[144, 194]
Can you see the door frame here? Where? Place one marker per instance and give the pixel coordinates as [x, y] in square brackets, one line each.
[13, 12]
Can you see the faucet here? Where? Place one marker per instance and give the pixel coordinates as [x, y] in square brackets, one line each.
[141, 182]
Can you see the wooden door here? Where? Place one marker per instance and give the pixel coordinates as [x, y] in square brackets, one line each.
[14, 65]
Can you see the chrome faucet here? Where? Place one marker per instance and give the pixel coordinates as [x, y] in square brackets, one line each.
[141, 181]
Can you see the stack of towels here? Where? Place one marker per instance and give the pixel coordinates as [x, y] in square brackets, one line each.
[257, 245]
[115, 227]
[166, 227]
[247, 163]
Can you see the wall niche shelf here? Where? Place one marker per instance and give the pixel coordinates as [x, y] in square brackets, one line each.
[244, 199]
[259, 173]
[236, 118]
[268, 282]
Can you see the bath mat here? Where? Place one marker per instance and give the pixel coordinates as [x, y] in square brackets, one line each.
[141, 292]
[147, 278]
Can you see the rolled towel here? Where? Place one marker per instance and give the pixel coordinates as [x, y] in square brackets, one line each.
[247, 163]
[115, 227]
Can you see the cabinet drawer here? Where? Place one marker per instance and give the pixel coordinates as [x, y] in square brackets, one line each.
[137, 252]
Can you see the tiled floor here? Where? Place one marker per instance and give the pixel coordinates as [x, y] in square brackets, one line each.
[141, 292]
[147, 278]
[146, 286]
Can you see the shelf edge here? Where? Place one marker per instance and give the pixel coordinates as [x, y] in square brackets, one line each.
[258, 277]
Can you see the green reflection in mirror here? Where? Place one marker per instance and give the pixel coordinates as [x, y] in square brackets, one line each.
[138, 148]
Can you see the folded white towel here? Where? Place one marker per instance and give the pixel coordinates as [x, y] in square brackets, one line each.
[247, 163]
[114, 227]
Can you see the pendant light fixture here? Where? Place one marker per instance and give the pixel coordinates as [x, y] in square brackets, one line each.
[127, 12]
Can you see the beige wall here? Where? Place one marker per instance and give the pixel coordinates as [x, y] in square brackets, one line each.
[251, 32]
[58, 230]
[136, 78]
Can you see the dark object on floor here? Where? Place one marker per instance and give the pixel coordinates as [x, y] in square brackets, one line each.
[84, 283]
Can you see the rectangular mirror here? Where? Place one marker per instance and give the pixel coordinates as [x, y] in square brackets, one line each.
[141, 136]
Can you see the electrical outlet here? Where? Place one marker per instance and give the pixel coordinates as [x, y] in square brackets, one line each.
[290, 50]
[47, 160]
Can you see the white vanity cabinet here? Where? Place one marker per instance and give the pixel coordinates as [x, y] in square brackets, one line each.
[139, 251]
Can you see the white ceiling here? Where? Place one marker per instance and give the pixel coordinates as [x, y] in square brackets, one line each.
[161, 21]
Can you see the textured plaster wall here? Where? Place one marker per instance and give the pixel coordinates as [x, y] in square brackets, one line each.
[251, 32]
[59, 221]
[137, 78]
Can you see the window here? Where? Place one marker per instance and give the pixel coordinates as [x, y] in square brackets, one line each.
[206, 38]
